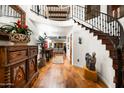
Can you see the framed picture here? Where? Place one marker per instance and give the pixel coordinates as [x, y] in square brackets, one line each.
[80, 40]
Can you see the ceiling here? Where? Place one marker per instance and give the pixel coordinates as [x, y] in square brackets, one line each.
[52, 30]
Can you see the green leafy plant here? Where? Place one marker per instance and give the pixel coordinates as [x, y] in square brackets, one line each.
[42, 39]
[17, 27]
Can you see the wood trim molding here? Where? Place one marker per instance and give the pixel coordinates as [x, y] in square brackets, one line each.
[20, 11]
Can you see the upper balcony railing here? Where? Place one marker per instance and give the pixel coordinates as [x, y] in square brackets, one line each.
[39, 10]
[97, 20]
[6, 10]
[54, 12]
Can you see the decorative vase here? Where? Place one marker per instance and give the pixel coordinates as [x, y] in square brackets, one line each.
[19, 38]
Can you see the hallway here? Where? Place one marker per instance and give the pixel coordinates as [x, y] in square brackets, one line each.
[92, 36]
[64, 75]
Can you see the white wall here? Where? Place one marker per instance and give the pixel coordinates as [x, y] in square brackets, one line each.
[121, 20]
[91, 44]
[68, 45]
[32, 23]
[103, 8]
[52, 30]
[7, 20]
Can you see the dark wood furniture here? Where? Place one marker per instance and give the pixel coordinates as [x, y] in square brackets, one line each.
[18, 66]
[48, 53]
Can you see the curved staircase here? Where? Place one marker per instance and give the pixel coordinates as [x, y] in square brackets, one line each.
[110, 31]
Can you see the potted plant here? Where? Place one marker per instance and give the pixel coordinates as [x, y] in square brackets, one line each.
[18, 33]
[42, 58]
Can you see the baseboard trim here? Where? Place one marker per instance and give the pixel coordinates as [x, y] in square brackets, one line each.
[104, 81]
[99, 78]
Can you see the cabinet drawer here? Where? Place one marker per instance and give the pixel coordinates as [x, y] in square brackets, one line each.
[17, 55]
[33, 51]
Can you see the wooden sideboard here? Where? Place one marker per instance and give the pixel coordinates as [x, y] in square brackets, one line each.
[18, 66]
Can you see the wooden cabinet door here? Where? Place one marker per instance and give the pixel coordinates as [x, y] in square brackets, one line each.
[18, 74]
[32, 66]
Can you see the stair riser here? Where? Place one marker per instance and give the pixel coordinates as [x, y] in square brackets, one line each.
[110, 47]
[91, 31]
[113, 53]
[99, 33]
[115, 66]
[102, 37]
[113, 56]
[106, 42]
[86, 28]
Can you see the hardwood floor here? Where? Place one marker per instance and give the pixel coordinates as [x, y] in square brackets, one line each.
[64, 76]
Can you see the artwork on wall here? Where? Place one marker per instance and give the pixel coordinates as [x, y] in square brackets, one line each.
[80, 40]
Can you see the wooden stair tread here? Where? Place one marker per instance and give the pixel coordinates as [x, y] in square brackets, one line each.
[52, 5]
[57, 16]
[58, 12]
[106, 42]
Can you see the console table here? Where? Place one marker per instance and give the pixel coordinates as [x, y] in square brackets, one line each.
[18, 66]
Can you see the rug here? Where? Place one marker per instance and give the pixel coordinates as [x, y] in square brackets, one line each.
[58, 59]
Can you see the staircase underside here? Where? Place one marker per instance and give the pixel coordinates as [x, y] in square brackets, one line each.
[58, 13]
[108, 41]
